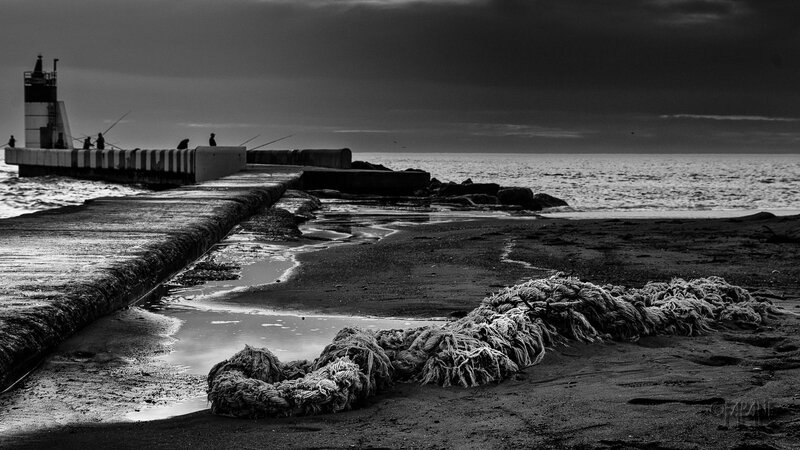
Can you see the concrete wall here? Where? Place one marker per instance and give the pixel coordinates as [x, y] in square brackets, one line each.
[36, 116]
[332, 158]
[135, 166]
[379, 182]
[216, 162]
[60, 269]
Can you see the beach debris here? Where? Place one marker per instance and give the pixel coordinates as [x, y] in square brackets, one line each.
[273, 224]
[509, 331]
[205, 271]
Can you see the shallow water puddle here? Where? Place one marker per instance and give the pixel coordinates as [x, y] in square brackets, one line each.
[264, 271]
[208, 336]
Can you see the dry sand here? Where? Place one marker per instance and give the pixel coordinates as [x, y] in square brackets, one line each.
[731, 389]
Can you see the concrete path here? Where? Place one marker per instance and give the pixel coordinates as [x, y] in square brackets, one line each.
[61, 269]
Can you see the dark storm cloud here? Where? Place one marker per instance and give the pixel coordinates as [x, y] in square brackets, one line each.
[575, 70]
[697, 7]
[495, 41]
[537, 44]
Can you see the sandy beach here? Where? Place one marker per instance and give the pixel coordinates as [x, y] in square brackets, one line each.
[729, 389]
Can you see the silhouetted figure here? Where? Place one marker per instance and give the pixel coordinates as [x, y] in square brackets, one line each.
[60, 141]
[100, 142]
[87, 143]
[11, 141]
[211, 141]
[183, 145]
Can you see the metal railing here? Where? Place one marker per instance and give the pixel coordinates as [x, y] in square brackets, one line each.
[48, 79]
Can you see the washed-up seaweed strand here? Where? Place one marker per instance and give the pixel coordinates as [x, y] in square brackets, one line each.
[510, 330]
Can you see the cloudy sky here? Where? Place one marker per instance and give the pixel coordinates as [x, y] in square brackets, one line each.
[424, 75]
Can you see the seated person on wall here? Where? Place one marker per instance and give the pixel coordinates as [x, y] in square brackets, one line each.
[87, 143]
[183, 145]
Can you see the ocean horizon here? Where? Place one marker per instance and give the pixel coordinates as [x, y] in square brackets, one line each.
[604, 183]
[608, 182]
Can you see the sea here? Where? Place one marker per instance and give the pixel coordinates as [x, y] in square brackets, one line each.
[645, 184]
[22, 195]
[627, 183]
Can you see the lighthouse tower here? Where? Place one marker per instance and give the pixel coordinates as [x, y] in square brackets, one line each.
[46, 124]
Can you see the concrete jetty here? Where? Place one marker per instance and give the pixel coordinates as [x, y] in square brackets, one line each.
[166, 167]
[322, 168]
[61, 269]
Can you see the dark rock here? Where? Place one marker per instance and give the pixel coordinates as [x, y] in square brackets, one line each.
[363, 165]
[462, 200]
[434, 183]
[524, 197]
[449, 190]
[299, 203]
[413, 170]
[467, 181]
[422, 193]
[325, 193]
[754, 217]
[516, 196]
[273, 224]
[548, 201]
[482, 199]
[208, 271]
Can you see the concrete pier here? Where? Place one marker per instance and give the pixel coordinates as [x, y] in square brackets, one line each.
[156, 167]
[63, 268]
[374, 182]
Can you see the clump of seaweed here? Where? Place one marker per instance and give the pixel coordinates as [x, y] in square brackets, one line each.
[208, 271]
[510, 330]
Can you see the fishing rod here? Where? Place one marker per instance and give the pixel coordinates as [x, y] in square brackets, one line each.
[115, 123]
[245, 142]
[107, 143]
[272, 142]
[81, 140]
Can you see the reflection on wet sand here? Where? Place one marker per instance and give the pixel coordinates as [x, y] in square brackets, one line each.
[214, 327]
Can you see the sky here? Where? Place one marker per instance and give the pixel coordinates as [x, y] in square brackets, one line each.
[666, 76]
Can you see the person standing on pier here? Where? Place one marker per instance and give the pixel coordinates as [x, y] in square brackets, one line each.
[183, 145]
[11, 141]
[211, 141]
[100, 142]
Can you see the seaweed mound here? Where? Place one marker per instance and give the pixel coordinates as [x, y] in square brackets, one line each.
[510, 330]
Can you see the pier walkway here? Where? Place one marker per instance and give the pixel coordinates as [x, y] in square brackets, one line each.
[61, 269]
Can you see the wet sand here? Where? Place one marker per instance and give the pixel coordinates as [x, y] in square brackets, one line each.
[731, 388]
